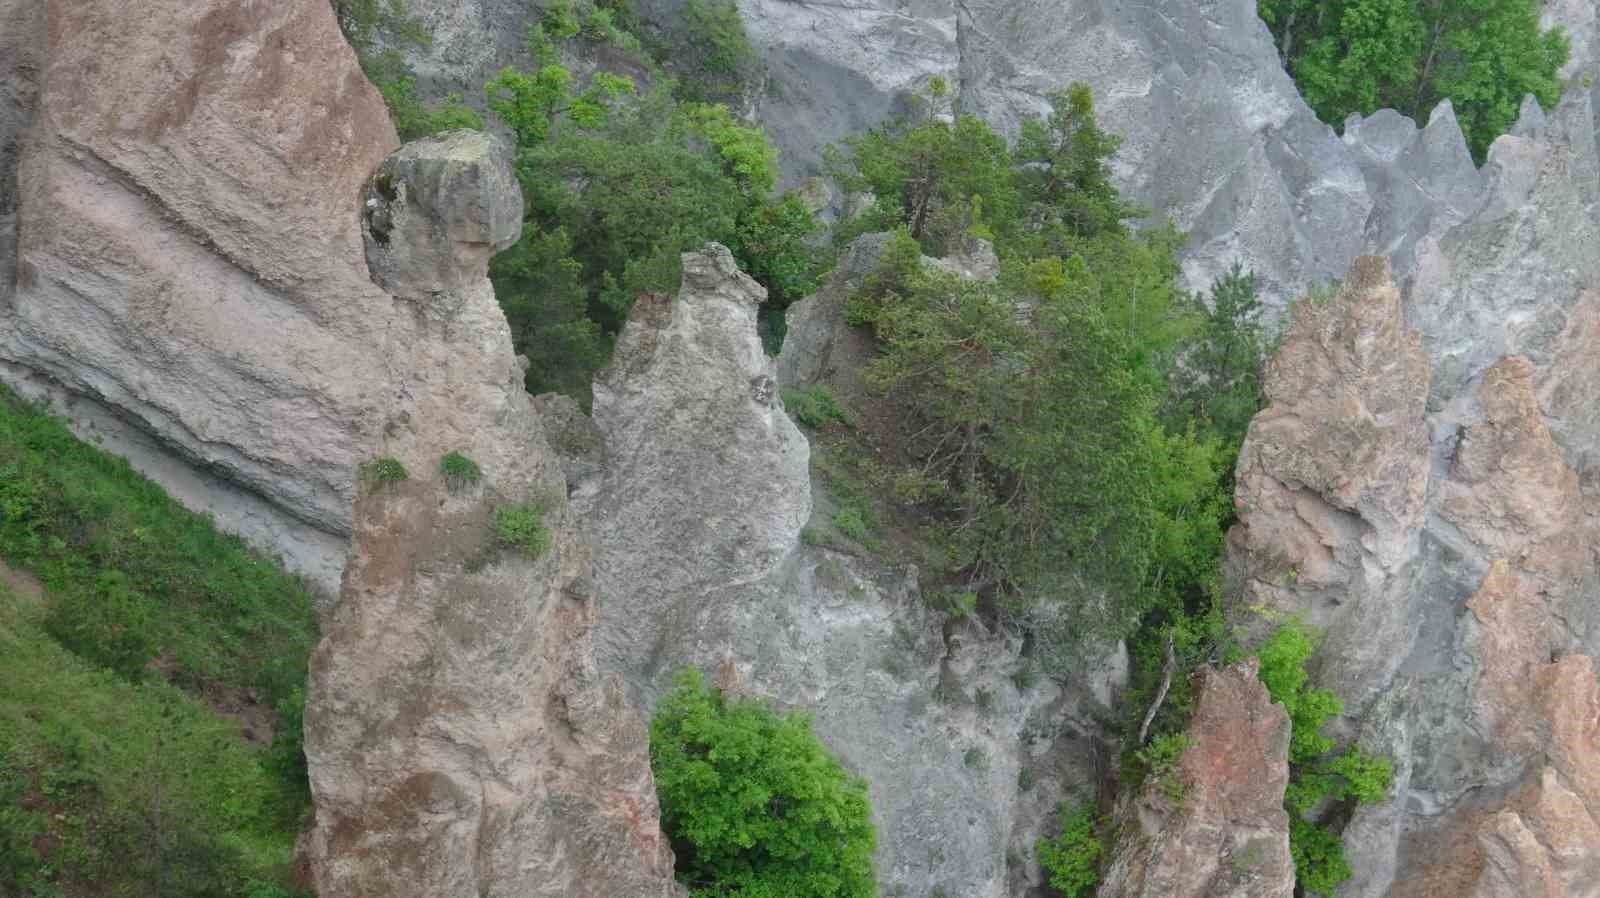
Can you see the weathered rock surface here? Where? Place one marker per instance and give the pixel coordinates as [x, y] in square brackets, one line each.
[1332, 477]
[697, 526]
[436, 212]
[1229, 835]
[189, 262]
[1461, 616]
[1215, 134]
[461, 741]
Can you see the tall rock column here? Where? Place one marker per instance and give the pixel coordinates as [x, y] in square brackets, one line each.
[1332, 478]
[460, 740]
[1228, 836]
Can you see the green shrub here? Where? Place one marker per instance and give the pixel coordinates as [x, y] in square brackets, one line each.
[1316, 778]
[521, 526]
[852, 524]
[1061, 479]
[1160, 759]
[754, 804]
[709, 52]
[459, 471]
[976, 758]
[620, 184]
[814, 407]
[381, 472]
[1071, 860]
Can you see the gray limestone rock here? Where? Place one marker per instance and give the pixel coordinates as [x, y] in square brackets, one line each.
[1468, 667]
[697, 528]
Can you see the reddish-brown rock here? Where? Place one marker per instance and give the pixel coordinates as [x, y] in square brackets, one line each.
[1228, 836]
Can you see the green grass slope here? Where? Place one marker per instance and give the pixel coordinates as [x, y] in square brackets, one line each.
[150, 698]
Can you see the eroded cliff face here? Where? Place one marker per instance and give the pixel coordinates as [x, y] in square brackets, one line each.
[190, 191]
[1423, 485]
[460, 739]
[695, 486]
[189, 284]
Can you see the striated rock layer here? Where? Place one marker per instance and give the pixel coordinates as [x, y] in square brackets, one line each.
[188, 276]
[1228, 835]
[187, 225]
[460, 740]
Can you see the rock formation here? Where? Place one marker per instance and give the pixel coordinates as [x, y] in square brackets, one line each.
[1228, 834]
[696, 514]
[1451, 558]
[1216, 136]
[460, 740]
[1332, 476]
[189, 282]
[186, 256]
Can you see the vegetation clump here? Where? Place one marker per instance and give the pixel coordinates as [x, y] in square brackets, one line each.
[1076, 491]
[383, 471]
[459, 471]
[814, 406]
[1364, 55]
[1071, 860]
[1323, 787]
[380, 31]
[754, 804]
[521, 526]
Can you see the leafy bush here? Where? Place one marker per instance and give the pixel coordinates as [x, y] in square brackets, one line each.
[459, 471]
[1071, 860]
[1363, 55]
[754, 804]
[413, 118]
[1316, 778]
[521, 526]
[1062, 477]
[851, 523]
[383, 471]
[707, 50]
[1160, 760]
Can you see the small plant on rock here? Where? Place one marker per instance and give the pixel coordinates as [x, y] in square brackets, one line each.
[521, 526]
[459, 471]
[851, 523]
[383, 471]
[814, 407]
[1160, 759]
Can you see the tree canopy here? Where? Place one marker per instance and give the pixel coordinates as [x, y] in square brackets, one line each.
[1364, 55]
[1072, 490]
